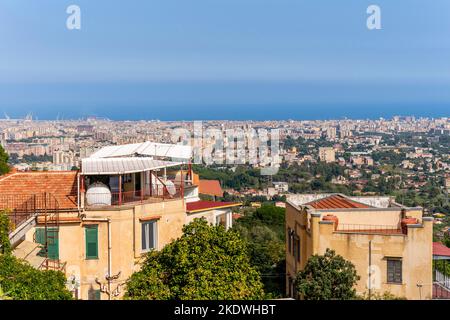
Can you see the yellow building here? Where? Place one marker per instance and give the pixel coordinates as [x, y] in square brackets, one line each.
[327, 154]
[390, 245]
[96, 225]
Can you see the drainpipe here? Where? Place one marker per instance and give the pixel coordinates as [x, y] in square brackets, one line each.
[108, 221]
[78, 190]
[370, 269]
[109, 259]
[120, 190]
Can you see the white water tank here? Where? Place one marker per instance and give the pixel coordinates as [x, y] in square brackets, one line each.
[98, 194]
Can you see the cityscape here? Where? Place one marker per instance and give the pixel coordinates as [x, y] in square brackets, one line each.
[224, 159]
[382, 183]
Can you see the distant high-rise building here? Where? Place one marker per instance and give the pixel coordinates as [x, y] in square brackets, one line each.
[3, 139]
[331, 133]
[327, 154]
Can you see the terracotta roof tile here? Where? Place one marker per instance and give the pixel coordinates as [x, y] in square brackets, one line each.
[440, 250]
[60, 184]
[336, 201]
[210, 187]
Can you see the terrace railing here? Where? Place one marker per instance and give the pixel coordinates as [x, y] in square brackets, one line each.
[21, 207]
[368, 228]
[440, 292]
[158, 193]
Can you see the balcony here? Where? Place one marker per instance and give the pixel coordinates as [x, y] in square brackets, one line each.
[369, 229]
[157, 193]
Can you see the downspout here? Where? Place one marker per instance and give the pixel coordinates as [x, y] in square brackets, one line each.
[78, 190]
[109, 259]
[370, 269]
[182, 182]
[134, 232]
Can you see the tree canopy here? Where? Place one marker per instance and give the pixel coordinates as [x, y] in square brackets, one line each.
[20, 281]
[263, 229]
[327, 277]
[5, 226]
[205, 263]
[4, 168]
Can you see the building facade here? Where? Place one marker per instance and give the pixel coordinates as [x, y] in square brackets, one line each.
[97, 224]
[327, 154]
[389, 245]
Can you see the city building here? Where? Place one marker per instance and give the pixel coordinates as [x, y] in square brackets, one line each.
[96, 224]
[395, 240]
[327, 154]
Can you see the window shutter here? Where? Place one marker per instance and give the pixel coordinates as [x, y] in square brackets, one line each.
[289, 237]
[92, 242]
[40, 236]
[152, 229]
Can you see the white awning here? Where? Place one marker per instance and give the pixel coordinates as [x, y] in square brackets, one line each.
[153, 149]
[110, 166]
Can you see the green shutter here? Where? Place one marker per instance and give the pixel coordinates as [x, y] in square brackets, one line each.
[92, 242]
[40, 238]
[52, 242]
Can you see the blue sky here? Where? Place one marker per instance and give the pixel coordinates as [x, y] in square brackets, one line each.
[223, 57]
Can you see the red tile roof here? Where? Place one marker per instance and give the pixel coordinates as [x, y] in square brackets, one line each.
[336, 201]
[60, 184]
[210, 187]
[199, 206]
[440, 250]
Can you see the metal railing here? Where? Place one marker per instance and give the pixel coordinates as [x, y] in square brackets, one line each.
[368, 228]
[440, 291]
[157, 192]
[442, 279]
[21, 207]
[55, 265]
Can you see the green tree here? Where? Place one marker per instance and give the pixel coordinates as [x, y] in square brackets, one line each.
[205, 263]
[20, 280]
[5, 226]
[4, 295]
[264, 232]
[327, 277]
[23, 282]
[4, 168]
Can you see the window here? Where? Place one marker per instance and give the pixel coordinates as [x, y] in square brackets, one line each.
[148, 236]
[294, 247]
[91, 233]
[394, 271]
[297, 248]
[221, 220]
[290, 287]
[289, 238]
